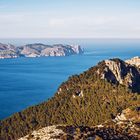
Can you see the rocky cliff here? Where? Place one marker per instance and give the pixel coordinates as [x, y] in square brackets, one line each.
[8, 51]
[134, 61]
[38, 50]
[120, 72]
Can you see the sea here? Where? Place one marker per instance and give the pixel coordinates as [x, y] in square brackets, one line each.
[27, 82]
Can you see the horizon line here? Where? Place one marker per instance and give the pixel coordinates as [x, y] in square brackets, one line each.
[70, 38]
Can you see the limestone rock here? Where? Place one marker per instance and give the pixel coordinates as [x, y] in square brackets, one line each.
[46, 133]
[134, 61]
[38, 50]
[119, 72]
[8, 51]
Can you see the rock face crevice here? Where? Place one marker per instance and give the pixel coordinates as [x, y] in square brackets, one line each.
[38, 50]
[119, 72]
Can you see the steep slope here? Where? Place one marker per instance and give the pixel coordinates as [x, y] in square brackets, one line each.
[83, 100]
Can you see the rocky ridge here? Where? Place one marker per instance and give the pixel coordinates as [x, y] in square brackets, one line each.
[38, 50]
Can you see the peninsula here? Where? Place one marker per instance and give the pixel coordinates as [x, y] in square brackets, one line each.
[38, 50]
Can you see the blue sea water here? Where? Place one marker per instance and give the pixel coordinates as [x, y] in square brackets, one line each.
[28, 81]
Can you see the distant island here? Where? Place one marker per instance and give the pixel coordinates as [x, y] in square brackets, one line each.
[38, 50]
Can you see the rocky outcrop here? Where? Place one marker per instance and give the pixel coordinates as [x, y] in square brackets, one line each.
[8, 51]
[134, 61]
[119, 72]
[46, 133]
[38, 50]
[124, 126]
[130, 115]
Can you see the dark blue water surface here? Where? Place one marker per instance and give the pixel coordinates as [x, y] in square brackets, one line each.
[29, 81]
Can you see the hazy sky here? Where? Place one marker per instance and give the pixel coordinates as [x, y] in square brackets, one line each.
[70, 18]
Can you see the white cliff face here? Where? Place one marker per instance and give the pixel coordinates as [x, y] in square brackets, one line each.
[77, 49]
[134, 61]
[116, 69]
[57, 51]
[38, 50]
[45, 50]
[29, 52]
[8, 51]
[119, 72]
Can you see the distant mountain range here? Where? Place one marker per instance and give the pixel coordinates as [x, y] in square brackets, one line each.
[38, 50]
[101, 103]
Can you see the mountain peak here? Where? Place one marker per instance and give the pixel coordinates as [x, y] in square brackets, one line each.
[118, 71]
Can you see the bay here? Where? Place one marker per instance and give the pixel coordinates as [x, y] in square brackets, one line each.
[28, 81]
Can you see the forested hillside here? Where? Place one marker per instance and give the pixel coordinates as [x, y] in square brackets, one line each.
[83, 100]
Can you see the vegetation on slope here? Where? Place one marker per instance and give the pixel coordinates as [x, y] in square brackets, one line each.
[83, 100]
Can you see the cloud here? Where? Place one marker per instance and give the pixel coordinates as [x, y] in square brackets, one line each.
[97, 26]
[69, 19]
[82, 21]
[10, 19]
[43, 25]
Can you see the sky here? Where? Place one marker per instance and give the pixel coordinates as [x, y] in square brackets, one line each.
[69, 18]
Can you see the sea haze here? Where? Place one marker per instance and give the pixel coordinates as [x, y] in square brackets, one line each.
[28, 81]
